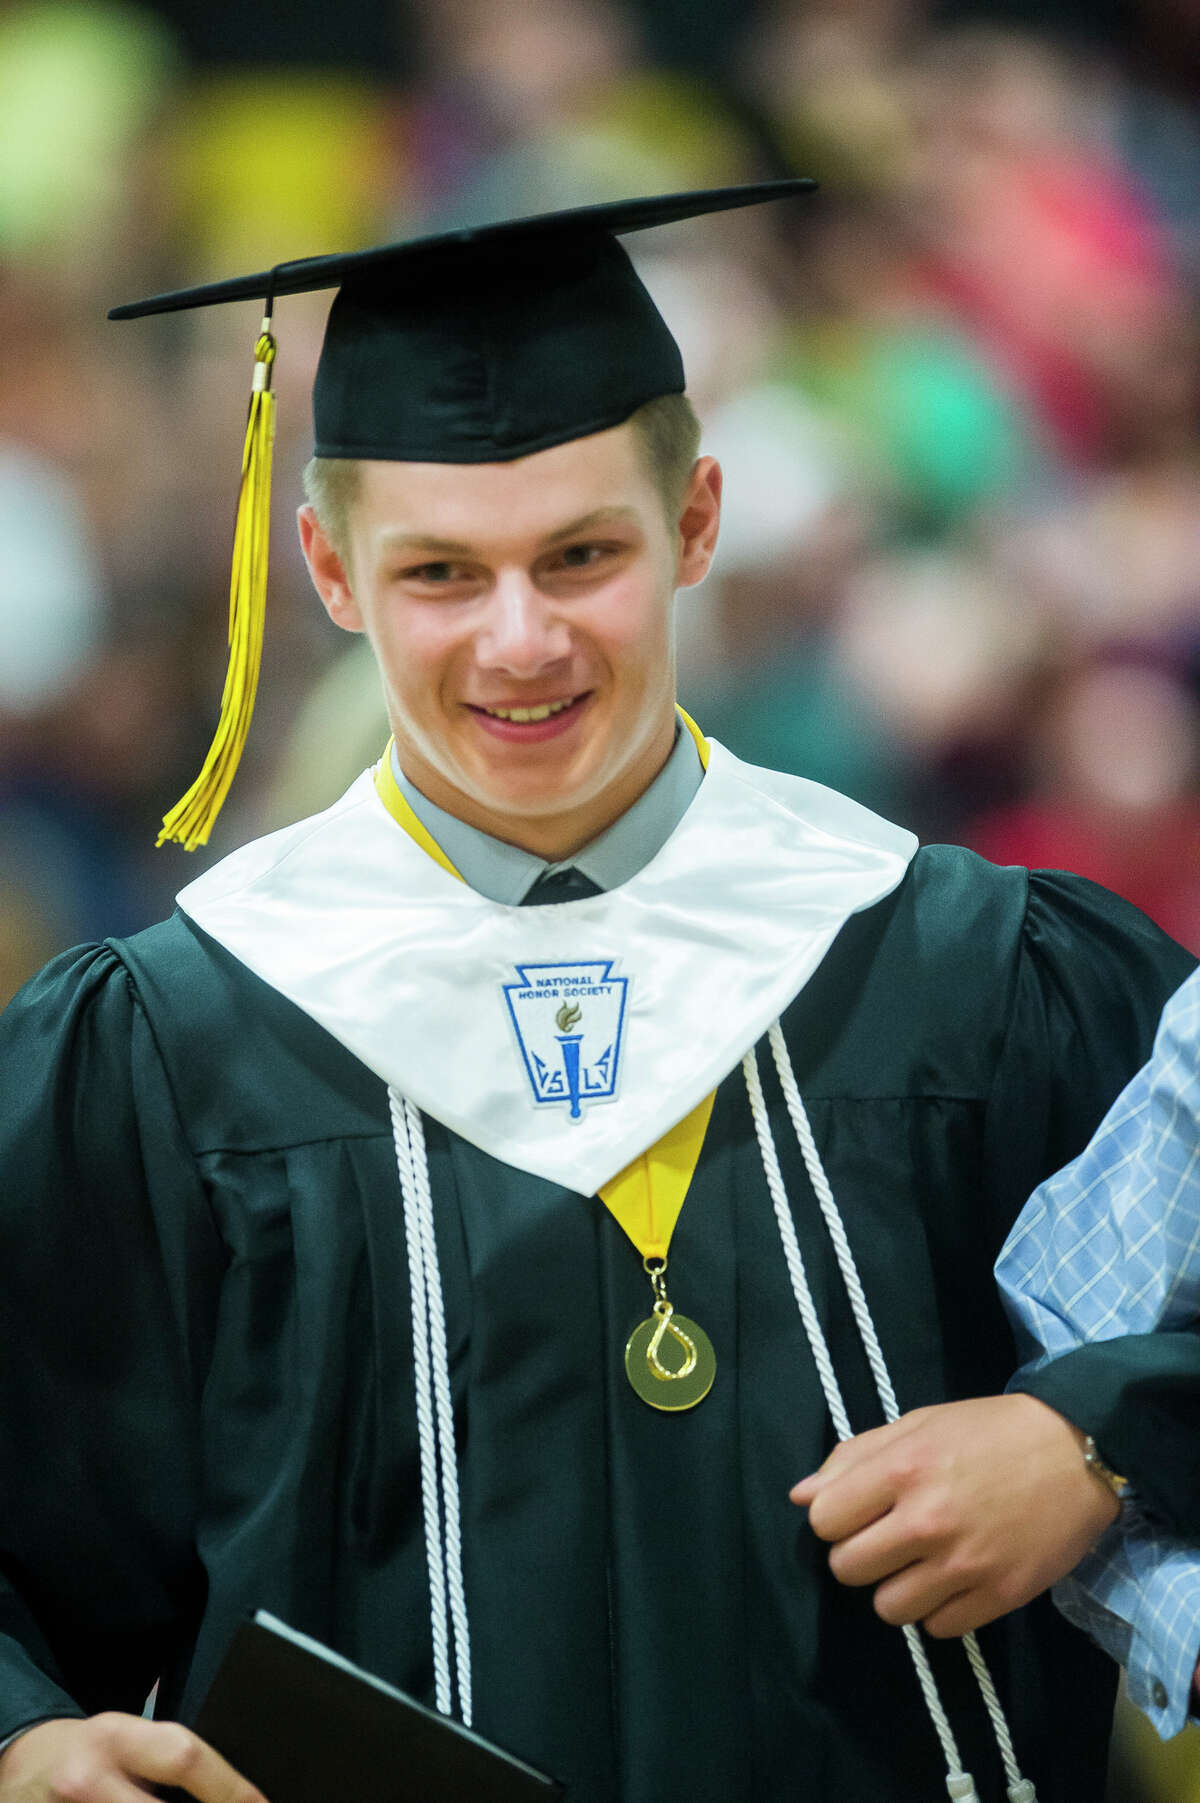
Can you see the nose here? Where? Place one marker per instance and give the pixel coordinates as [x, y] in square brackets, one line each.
[523, 633]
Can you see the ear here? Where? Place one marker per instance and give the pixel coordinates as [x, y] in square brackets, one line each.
[328, 572]
[699, 519]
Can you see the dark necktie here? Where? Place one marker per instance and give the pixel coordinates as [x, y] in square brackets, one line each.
[560, 886]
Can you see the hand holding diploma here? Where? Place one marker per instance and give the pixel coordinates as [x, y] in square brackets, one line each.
[115, 1758]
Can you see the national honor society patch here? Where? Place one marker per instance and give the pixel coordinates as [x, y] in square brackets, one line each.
[569, 1020]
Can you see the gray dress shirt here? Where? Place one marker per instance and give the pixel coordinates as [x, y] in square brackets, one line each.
[505, 873]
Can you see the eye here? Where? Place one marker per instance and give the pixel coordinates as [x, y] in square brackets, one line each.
[434, 573]
[578, 557]
[585, 565]
[441, 578]
[593, 557]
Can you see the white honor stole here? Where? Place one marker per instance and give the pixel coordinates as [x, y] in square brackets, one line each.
[564, 1039]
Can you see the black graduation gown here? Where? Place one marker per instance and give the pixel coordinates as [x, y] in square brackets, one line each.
[206, 1396]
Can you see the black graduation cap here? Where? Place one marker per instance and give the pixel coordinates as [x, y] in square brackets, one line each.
[479, 345]
[486, 343]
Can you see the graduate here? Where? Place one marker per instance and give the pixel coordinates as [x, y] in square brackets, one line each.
[460, 1225]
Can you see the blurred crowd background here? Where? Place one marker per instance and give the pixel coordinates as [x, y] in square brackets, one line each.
[957, 397]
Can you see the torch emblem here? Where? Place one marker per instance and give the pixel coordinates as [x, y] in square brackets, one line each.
[569, 1020]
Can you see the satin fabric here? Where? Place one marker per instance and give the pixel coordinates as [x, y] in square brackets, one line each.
[405, 966]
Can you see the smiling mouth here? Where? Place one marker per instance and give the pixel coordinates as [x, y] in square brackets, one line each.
[523, 716]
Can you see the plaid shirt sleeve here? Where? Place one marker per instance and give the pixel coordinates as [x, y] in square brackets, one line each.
[1111, 1246]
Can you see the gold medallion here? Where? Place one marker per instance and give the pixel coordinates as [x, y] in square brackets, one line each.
[669, 1360]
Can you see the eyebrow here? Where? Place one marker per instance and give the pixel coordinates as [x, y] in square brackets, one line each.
[600, 516]
[416, 541]
[443, 547]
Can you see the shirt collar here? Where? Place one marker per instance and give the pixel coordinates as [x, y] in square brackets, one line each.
[505, 873]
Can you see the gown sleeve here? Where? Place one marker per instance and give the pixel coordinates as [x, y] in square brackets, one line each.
[1092, 983]
[1101, 1276]
[109, 1267]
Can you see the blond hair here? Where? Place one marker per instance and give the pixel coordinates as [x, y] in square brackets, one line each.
[668, 437]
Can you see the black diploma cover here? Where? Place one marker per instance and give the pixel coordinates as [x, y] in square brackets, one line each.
[307, 1726]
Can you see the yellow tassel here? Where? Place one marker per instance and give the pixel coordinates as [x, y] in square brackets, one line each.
[191, 820]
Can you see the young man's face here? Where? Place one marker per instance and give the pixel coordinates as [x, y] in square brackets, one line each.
[521, 616]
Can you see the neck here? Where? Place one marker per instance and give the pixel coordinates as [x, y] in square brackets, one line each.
[552, 835]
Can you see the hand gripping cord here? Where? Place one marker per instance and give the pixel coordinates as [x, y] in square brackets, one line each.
[959, 1784]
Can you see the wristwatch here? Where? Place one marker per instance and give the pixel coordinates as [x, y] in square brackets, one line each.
[1091, 1458]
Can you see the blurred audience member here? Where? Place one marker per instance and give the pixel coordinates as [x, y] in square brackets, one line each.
[51, 591]
[1035, 236]
[1113, 789]
[82, 85]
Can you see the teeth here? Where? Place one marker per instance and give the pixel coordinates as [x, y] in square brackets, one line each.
[525, 714]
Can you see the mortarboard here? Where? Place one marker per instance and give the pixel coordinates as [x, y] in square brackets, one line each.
[479, 345]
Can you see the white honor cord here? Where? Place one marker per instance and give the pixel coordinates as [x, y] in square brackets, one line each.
[435, 1415]
[959, 1784]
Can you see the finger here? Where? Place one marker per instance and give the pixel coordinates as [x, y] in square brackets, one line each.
[963, 1613]
[874, 1553]
[919, 1593]
[833, 1466]
[841, 1460]
[851, 1501]
[169, 1753]
[847, 1455]
[85, 1785]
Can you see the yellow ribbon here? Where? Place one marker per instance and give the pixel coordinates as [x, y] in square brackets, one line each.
[645, 1198]
[393, 798]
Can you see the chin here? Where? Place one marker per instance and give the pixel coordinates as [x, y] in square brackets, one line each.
[540, 805]
[548, 787]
